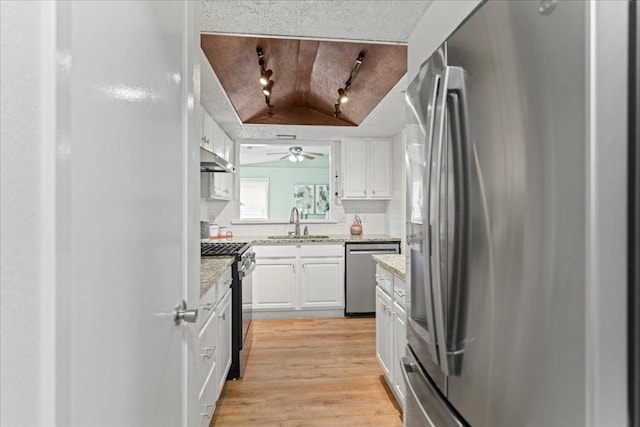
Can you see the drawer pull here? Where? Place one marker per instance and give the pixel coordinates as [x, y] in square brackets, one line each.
[208, 352]
[223, 316]
[208, 411]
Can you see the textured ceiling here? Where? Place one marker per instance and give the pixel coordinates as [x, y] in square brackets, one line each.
[379, 21]
[307, 77]
[372, 21]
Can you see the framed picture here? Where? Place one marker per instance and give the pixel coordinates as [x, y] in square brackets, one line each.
[322, 198]
[303, 198]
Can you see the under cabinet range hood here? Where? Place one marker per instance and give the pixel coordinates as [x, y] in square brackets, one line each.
[211, 162]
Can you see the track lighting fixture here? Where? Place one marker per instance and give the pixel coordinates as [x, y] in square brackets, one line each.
[265, 76]
[267, 88]
[343, 96]
[265, 81]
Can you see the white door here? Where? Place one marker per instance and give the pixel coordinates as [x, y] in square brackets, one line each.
[130, 139]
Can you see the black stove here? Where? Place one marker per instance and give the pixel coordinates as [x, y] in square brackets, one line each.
[223, 249]
[241, 299]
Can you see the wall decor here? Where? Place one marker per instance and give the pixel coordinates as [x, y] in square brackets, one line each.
[322, 198]
[303, 198]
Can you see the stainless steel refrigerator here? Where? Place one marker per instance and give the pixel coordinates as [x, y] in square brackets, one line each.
[496, 172]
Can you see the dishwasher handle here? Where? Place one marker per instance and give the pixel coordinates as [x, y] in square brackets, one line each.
[372, 251]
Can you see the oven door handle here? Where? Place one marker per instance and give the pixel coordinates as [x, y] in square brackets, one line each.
[248, 271]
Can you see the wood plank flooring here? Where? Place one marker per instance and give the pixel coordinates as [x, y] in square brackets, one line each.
[310, 372]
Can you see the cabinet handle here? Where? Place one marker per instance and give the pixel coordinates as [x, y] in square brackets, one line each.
[365, 192]
[208, 411]
[208, 352]
[294, 268]
[374, 192]
[223, 316]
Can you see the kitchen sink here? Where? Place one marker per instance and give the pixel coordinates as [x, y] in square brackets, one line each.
[286, 237]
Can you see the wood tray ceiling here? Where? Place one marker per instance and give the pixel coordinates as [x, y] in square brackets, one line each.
[307, 75]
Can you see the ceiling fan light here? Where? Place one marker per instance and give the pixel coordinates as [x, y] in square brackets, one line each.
[293, 158]
[342, 96]
[299, 158]
[265, 76]
[267, 88]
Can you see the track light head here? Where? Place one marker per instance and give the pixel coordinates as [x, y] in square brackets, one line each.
[265, 76]
[266, 90]
[342, 96]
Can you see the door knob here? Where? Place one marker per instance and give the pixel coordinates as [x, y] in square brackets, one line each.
[181, 313]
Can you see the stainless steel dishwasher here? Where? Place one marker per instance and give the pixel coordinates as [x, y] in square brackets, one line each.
[360, 281]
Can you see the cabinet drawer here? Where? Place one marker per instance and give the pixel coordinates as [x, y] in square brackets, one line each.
[206, 306]
[223, 285]
[208, 397]
[316, 251]
[399, 291]
[207, 348]
[384, 279]
[276, 251]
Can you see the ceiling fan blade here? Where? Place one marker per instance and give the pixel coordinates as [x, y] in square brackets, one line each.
[306, 156]
[285, 157]
[269, 154]
[315, 154]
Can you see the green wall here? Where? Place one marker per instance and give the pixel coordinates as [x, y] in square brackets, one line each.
[282, 176]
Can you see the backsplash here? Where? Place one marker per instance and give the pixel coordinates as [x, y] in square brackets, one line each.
[372, 214]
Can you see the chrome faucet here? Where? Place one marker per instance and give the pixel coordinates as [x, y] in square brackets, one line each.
[297, 220]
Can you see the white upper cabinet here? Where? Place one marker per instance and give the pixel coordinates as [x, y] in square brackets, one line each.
[354, 168]
[366, 169]
[206, 141]
[380, 169]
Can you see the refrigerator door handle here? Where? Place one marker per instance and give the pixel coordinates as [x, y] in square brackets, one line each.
[440, 111]
[426, 230]
[456, 94]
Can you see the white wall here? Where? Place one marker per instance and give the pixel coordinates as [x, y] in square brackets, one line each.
[27, 299]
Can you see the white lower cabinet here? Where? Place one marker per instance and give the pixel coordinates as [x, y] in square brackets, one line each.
[400, 344]
[321, 282]
[391, 330]
[384, 328]
[223, 353]
[298, 277]
[214, 358]
[274, 283]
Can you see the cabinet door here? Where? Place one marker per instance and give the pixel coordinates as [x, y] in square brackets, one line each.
[223, 351]
[274, 284]
[207, 131]
[322, 283]
[400, 344]
[380, 169]
[383, 330]
[218, 140]
[354, 168]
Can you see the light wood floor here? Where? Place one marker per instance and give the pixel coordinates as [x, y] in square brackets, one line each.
[311, 372]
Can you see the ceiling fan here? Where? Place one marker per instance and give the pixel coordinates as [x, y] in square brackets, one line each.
[295, 154]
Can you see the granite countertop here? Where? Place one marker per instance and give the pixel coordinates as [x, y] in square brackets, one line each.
[211, 269]
[331, 238]
[394, 263]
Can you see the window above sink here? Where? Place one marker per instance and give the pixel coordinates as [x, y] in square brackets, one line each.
[275, 177]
